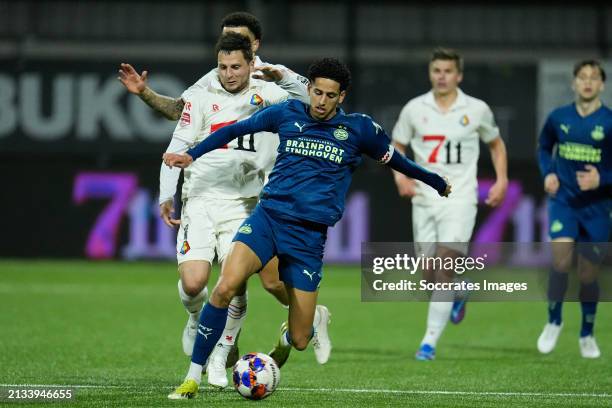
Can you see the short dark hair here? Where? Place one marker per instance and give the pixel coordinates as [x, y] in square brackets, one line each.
[231, 41]
[243, 19]
[590, 62]
[447, 54]
[330, 68]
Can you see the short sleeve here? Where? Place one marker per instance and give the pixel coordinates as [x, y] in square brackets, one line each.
[403, 131]
[487, 129]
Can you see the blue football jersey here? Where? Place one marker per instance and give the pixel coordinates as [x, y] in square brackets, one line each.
[567, 143]
[316, 159]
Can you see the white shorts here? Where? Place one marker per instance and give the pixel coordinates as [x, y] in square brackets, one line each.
[448, 223]
[208, 226]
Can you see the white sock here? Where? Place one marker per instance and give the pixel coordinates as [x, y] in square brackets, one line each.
[437, 316]
[195, 373]
[193, 304]
[235, 316]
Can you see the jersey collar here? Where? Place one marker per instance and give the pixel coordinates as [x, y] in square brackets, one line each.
[460, 102]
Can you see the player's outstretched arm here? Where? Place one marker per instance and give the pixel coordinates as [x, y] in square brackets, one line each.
[214, 141]
[376, 144]
[497, 192]
[135, 83]
[264, 120]
[406, 187]
[410, 169]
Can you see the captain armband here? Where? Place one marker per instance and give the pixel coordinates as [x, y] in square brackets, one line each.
[387, 156]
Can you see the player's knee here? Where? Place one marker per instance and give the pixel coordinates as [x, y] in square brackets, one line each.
[194, 276]
[193, 287]
[562, 263]
[587, 277]
[273, 286]
[300, 343]
[429, 275]
[223, 294]
[299, 339]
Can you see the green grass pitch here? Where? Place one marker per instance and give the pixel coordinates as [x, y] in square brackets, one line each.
[112, 331]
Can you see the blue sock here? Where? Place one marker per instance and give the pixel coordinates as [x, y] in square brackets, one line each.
[589, 295]
[557, 286]
[554, 312]
[288, 338]
[210, 328]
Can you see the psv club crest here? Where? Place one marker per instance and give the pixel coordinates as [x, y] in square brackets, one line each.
[340, 133]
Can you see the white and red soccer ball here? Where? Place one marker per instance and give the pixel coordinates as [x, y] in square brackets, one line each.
[256, 376]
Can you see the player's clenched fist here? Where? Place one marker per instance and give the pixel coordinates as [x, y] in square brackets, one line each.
[588, 179]
[166, 210]
[177, 160]
[551, 183]
[448, 188]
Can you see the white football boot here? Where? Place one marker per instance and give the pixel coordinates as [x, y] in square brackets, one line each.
[217, 376]
[320, 339]
[588, 347]
[548, 339]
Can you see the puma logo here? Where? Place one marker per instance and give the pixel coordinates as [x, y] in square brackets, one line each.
[309, 274]
[299, 127]
[204, 331]
[565, 128]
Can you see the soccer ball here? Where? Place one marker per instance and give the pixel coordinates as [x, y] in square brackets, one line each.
[256, 376]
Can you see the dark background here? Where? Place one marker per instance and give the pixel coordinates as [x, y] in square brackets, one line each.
[62, 112]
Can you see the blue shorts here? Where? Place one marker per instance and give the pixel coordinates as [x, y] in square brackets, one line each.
[584, 226]
[581, 225]
[298, 245]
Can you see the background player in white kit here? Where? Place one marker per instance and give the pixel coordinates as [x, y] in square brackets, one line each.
[443, 128]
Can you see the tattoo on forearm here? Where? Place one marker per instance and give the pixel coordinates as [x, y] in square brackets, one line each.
[170, 108]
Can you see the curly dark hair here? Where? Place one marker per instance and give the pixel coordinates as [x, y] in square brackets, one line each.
[231, 41]
[330, 68]
[243, 19]
[590, 62]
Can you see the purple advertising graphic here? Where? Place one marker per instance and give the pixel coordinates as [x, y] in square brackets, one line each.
[119, 188]
[149, 238]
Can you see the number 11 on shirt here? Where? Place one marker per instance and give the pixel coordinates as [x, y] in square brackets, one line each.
[439, 139]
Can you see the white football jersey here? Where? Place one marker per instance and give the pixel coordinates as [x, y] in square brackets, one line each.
[446, 143]
[240, 169]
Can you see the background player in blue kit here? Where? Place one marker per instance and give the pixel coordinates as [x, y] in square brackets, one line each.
[578, 179]
[320, 147]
